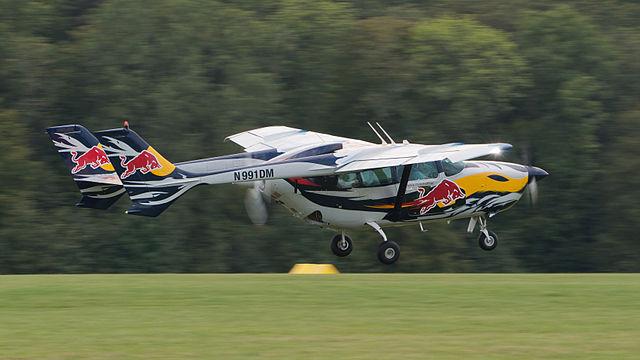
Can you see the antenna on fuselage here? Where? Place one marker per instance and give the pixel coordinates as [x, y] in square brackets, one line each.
[381, 128]
[374, 130]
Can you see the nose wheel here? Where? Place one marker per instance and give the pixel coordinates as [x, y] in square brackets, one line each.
[488, 240]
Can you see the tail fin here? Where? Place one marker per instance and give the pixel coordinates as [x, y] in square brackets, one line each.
[153, 183]
[86, 160]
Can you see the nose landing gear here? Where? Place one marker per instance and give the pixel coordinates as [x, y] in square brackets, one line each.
[488, 240]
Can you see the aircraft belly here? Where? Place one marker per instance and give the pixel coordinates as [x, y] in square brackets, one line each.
[332, 216]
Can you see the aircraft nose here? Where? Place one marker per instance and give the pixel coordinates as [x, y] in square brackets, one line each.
[537, 173]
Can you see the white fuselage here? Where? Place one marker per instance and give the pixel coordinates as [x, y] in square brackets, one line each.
[482, 195]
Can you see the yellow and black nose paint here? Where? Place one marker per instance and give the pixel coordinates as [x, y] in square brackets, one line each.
[490, 181]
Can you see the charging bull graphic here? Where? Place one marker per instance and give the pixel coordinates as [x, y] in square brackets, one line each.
[95, 158]
[445, 193]
[144, 161]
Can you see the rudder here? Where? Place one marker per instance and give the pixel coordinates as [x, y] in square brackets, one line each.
[89, 165]
[153, 182]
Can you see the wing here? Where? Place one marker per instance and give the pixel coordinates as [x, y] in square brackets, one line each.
[306, 153]
[405, 154]
[285, 139]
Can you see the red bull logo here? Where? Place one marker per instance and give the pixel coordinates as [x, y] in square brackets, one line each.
[445, 193]
[95, 158]
[144, 161]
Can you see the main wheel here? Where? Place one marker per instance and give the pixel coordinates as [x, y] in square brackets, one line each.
[488, 243]
[388, 252]
[341, 248]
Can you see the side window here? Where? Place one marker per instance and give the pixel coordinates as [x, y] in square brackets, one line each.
[377, 177]
[348, 180]
[427, 170]
[374, 177]
[325, 182]
[452, 168]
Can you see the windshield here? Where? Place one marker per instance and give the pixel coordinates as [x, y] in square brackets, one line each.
[452, 168]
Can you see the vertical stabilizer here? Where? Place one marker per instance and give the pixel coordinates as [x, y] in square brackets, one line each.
[153, 182]
[89, 165]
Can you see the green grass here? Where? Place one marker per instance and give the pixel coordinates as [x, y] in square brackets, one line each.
[320, 316]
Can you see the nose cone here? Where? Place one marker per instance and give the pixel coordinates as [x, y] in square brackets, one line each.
[537, 173]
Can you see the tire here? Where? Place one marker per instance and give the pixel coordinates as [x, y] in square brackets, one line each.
[388, 252]
[488, 244]
[340, 249]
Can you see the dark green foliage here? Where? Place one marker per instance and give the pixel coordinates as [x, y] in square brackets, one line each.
[559, 81]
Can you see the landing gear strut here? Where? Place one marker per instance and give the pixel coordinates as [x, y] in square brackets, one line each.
[388, 251]
[341, 245]
[488, 240]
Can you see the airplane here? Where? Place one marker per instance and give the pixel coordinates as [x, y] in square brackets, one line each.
[329, 181]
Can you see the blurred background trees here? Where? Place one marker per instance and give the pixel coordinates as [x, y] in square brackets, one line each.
[560, 81]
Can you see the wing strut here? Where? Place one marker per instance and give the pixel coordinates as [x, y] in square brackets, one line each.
[394, 215]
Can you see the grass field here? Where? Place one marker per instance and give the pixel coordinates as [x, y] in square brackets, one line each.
[320, 317]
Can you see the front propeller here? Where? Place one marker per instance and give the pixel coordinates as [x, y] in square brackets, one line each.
[535, 174]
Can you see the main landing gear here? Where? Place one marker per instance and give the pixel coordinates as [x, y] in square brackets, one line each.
[341, 245]
[388, 251]
[488, 240]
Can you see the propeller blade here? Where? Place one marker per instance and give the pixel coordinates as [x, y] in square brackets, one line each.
[535, 174]
[256, 207]
[533, 191]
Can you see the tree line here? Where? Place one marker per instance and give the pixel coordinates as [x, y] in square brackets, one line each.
[558, 80]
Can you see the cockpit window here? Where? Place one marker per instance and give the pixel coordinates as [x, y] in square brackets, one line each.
[366, 178]
[426, 170]
[377, 177]
[452, 168]
[348, 180]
